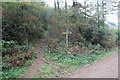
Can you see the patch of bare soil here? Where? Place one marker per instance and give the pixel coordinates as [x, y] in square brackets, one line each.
[105, 68]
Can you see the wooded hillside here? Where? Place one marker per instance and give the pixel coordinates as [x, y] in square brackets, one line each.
[64, 30]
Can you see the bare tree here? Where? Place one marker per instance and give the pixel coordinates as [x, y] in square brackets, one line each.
[55, 4]
[66, 4]
[98, 13]
[85, 8]
[58, 4]
[103, 11]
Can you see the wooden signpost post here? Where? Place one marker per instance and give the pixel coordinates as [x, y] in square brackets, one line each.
[67, 38]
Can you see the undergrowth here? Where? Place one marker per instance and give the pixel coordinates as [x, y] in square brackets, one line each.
[16, 59]
[67, 63]
[17, 72]
[78, 59]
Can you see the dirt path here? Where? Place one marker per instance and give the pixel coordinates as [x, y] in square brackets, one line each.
[32, 72]
[105, 68]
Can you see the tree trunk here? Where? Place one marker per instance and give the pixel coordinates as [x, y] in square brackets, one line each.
[98, 15]
[103, 12]
[58, 4]
[55, 4]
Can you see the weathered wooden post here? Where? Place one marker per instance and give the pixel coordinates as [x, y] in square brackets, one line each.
[67, 38]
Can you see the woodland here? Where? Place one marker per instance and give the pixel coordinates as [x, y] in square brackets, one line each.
[71, 35]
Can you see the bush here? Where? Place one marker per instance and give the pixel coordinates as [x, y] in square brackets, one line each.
[14, 55]
[20, 22]
[9, 47]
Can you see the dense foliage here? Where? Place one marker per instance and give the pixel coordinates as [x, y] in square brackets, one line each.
[21, 22]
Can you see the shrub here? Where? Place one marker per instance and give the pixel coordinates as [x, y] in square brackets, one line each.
[20, 22]
[9, 47]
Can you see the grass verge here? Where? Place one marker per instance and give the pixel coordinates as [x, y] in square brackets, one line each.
[65, 63]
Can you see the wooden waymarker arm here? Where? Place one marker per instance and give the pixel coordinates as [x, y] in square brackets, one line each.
[67, 32]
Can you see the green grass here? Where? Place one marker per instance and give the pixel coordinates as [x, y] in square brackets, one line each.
[16, 72]
[64, 63]
[104, 54]
[68, 63]
[79, 59]
[55, 70]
